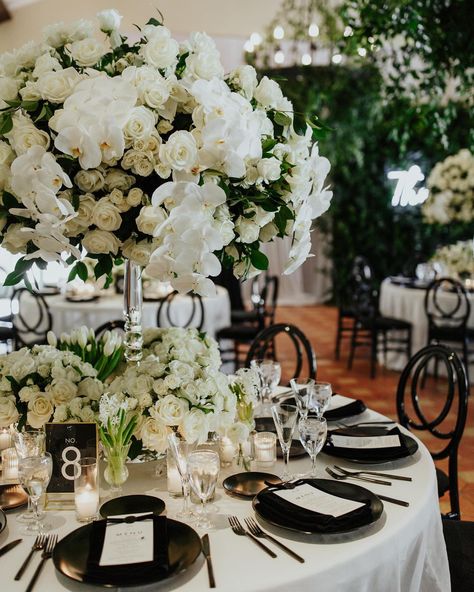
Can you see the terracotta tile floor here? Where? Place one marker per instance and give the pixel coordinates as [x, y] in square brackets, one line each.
[319, 324]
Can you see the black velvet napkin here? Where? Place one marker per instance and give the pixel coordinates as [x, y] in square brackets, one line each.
[283, 512]
[390, 453]
[353, 408]
[160, 563]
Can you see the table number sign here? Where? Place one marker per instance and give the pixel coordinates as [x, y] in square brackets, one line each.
[68, 443]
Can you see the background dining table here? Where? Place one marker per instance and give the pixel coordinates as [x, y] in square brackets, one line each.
[404, 551]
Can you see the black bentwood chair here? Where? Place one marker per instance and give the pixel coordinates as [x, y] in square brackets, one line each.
[263, 346]
[459, 537]
[447, 430]
[31, 318]
[117, 326]
[164, 316]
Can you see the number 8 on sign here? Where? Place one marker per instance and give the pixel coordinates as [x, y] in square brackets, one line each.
[70, 462]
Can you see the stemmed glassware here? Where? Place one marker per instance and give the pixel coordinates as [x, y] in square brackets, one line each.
[269, 372]
[180, 449]
[34, 473]
[313, 432]
[285, 417]
[303, 390]
[320, 398]
[29, 442]
[203, 467]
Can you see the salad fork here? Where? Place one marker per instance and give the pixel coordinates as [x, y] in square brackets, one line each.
[343, 477]
[39, 543]
[45, 555]
[238, 529]
[386, 475]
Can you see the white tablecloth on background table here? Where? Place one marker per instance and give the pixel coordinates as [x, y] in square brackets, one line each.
[404, 551]
[408, 304]
[68, 315]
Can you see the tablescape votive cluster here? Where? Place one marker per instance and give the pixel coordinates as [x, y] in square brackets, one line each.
[86, 489]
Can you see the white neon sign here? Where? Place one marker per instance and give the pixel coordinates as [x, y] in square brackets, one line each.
[405, 193]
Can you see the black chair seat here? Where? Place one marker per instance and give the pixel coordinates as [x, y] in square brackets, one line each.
[6, 332]
[239, 332]
[389, 323]
[443, 482]
[244, 316]
[459, 537]
[448, 333]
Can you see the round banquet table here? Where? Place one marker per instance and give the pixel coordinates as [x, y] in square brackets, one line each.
[67, 315]
[404, 551]
[408, 304]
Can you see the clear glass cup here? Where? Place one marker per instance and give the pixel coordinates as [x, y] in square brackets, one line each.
[203, 467]
[320, 398]
[180, 450]
[303, 389]
[269, 373]
[34, 474]
[29, 442]
[264, 444]
[285, 417]
[86, 489]
[313, 432]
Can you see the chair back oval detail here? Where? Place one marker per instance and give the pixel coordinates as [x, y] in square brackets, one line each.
[447, 304]
[117, 326]
[195, 318]
[31, 318]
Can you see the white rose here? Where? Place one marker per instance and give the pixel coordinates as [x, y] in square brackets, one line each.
[90, 181]
[247, 230]
[86, 207]
[195, 426]
[39, 412]
[204, 65]
[180, 151]
[23, 366]
[109, 20]
[138, 252]
[243, 269]
[28, 392]
[7, 156]
[62, 390]
[268, 93]
[100, 241]
[141, 163]
[87, 414]
[161, 50]
[8, 91]
[106, 216]
[164, 126]
[155, 93]
[245, 77]
[75, 406]
[8, 411]
[30, 92]
[150, 219]
[92, 388]
[60, 414]
[134, 197]
[140, 123]
[269, 169]
[14, 240]
[57, 86]
[86, 52]
[154, 435]
[268, 232]
[170, 410]
[118, 179]
[46, 63]
[25, 135]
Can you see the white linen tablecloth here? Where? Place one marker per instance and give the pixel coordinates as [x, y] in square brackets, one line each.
[404, 551]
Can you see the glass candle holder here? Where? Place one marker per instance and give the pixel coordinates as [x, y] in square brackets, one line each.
[174, 484]
[265, 448]
[227, 451]
[86, 489]
[5, 438]
[9, 464]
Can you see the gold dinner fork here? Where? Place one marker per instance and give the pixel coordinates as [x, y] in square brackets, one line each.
[238, 529]
[39, 543]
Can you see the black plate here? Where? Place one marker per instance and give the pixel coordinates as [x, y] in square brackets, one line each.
[3, 521]
[355, 408]
[71, 554]
[132, 504]
[12, 496]
[82, 299]
[343, 489]
[249, 484]
[296, 451]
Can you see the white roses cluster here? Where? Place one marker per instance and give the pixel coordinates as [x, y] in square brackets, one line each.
[456, 260]
[451, 184]
[44, 384]
[149, 152]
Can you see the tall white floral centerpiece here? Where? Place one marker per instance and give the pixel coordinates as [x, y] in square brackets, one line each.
[147, 151]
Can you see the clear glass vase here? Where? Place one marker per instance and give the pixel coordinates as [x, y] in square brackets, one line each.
[132, 310]
[116, 471]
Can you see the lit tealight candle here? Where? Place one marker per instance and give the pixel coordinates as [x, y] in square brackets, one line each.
[265, 448]
[5, 438]
[9, 464]
[174, 484]
[87, 503]
[227, 451]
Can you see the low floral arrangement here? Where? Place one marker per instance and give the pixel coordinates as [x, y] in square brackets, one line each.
[146, 150]
[456, 260]
[451, 185]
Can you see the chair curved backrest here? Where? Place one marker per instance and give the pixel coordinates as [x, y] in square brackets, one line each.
[31, 318]
[447, 425]
[167, 316]
[447, 304]
[265, 298]
[117, 326]
[263, 346]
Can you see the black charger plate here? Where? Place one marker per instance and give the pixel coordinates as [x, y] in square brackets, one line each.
[12, 496]
[71, 554]
[132, 504]
[247, 485]
[3, 521]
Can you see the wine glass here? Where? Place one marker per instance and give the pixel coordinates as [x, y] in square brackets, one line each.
[34, 473]
[203, 467]
[180, 450]
[285, 417]
[313, 432]
[269, 373]
[320, 398]
[29, 442]
[302, 390]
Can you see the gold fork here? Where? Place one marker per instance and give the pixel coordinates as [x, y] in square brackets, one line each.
[37, 546]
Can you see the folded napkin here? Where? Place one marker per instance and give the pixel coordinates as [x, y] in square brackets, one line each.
[160, 561]
[387, 453]
[283, 512]
[354, 408]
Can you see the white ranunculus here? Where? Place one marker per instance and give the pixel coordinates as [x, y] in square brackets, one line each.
[118, 179]
[25, 134]
[149, 219]
[8, 411]
[57, 86]
[90, 181]
[161, 50]
[109, 20]
[195, 426]
[180, 151]
[170, 410]
[39, 411]
[268, 93]
[106, 216]
[86, 52]
[8, 90]
[269, 169]
[100, 241]
[154, 435]
[247, 230]
[140, 123]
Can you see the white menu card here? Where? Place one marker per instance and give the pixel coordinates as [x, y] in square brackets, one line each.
[313, 499]
[391, 441]
[126, 543]
[338, 401]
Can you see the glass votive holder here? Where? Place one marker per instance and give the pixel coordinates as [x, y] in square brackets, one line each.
[86, 489]
[9, 464]
[174, 484]
[264, 444]
[227, 451]
[5, 438]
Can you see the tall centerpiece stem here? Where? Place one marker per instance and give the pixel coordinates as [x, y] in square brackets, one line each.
[132, 310]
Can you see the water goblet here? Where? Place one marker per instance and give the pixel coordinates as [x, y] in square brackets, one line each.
[180, 450]
[269, 373]
[285, 417]
[313, 432]
[203, 467]
[320, 398]
[302, 390]
[29, 442]
[34, 473]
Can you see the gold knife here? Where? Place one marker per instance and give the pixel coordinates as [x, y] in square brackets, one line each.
[10, 546]
[206, 549]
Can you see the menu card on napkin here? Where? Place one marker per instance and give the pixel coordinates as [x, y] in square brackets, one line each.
[390, 441]
[126, 543]
[338, 401]
[315, 500]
